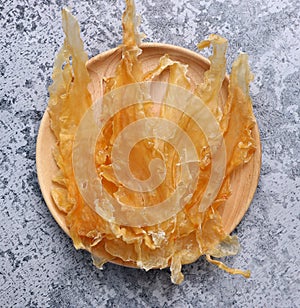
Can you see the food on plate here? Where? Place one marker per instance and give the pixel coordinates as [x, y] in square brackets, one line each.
[157, 240]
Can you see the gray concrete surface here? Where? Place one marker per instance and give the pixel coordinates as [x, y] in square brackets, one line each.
[38, 265]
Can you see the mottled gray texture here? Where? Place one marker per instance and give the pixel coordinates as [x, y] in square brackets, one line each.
[40, 268]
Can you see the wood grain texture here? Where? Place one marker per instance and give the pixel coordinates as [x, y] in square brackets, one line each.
[244, 180]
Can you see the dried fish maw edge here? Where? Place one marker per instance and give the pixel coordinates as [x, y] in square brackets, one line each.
[209, 89]
[229, 246]
[61, 200]
[174, 66]
[176, 265]
[130, 23]
[227, 269]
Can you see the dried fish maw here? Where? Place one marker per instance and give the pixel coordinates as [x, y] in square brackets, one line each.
[238, 120]
[210, 89]
[69, 99]
[196, 229]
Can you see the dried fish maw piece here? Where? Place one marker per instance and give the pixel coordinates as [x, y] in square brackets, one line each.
[177, 72]
[238, 120]
[61, 200]
[118, 248]
[129, 69]
[209, 90]
[69, 99]
[232, 271]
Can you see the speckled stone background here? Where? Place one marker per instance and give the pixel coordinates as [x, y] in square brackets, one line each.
[38, 265]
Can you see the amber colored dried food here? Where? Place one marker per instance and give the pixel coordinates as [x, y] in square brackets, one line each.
[195, 230]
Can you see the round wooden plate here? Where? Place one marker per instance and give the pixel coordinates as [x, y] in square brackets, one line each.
[244, 180]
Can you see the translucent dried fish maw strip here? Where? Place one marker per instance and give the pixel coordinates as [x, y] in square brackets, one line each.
[238, 120]
[69, 99]
[209, 90]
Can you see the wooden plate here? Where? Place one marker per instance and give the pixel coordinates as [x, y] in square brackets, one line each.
[244, 180]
